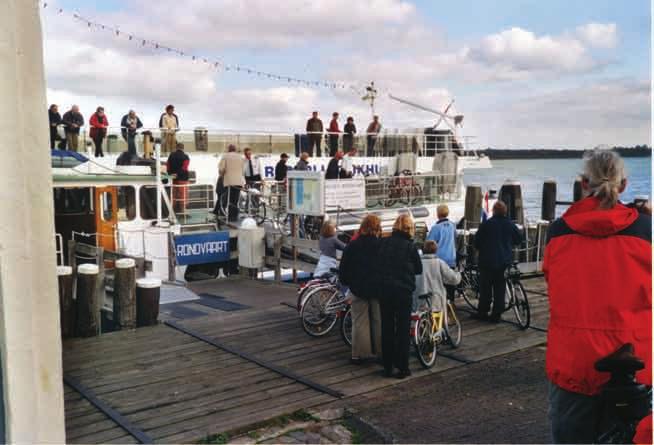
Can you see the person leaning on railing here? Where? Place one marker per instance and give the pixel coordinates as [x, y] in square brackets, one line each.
[99, 123]
[73, 121]
[598, 267]
[333, 134]
[373, 130]
[169, 124]
[129, 124]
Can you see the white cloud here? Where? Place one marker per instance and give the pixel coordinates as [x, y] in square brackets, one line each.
[599, 35]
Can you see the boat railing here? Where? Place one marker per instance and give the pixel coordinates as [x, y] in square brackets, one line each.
[388, 142]
[412, 190]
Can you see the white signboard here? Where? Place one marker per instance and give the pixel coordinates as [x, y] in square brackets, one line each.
[346, 194]
[306, 193]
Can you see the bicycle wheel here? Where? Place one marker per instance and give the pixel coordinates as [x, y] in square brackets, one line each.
[424, 343]
[453, 329]
[521, 305]
[416, 194]
[317, 316]
[469, 288]
[259, 212]
[346, 326]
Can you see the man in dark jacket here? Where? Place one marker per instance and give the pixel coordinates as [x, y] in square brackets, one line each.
[177, 165]
[128, 127]
[72, 121]
[281, 169]
[55, 119]
[494, 240]
[314, 133]
[303, 163]
[334, 170]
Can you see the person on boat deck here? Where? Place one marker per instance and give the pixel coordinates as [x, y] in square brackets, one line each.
[314, 133]
[72, 121]
[177, 165]
[99, 123]
[251, 169]
[334, 170]
[494, 240]
[54, 118]
[329, 244]
[373, 130]
[358, 270]
[350, 130]
[333, 134]
[129, 124]
[399, 263]
[281, 169]
[436, 276]
[169, 125]
[443, 232]
[303, 163]
[348, 162]
[230, 168]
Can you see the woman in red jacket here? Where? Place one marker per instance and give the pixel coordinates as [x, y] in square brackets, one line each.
[99, 124]
[598, 264]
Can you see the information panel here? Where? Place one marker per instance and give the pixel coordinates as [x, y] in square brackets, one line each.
[202, 248]
[306, 192]
[347, 194]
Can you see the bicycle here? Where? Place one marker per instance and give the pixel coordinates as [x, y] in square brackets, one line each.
[323, 306]
[468, 287]
[250, 203]
[433, 328]
[403, 189]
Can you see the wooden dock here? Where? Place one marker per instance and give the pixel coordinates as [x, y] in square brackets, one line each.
[216, 370]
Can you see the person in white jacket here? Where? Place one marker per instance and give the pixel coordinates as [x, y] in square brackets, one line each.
[435, 275]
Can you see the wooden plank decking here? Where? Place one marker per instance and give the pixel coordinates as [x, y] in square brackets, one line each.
[176, 388]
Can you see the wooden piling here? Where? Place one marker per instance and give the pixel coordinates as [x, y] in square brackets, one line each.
[148, 291]
[577, 191]
[125, 294]
[548, 205]
[88, 302]
[472, 213]
[67, 308]
[511, 194]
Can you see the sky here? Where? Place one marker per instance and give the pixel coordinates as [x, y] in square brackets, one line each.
[524, 73]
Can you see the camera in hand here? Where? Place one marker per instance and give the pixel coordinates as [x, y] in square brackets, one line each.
[624, 401]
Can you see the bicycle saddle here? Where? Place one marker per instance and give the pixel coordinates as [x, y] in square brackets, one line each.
[622, 361]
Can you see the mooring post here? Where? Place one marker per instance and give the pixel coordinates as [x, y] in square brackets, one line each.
[472, 212]
[511, 194]
[125, 294]
[577, 191]
[88, 305]
[67, 307]
[148, 291]
[548, 206]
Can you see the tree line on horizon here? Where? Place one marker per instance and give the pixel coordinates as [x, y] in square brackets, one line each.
[540, 153]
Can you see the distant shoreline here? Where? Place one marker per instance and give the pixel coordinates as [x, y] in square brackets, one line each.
[559, 154]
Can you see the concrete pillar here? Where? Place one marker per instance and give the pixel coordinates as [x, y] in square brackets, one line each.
[30, 339]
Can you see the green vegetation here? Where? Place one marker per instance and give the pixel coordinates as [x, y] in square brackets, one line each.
[356, 435]
[218, 439]
[537, 153]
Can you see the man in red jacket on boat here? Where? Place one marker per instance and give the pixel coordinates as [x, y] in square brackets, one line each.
[598, 267]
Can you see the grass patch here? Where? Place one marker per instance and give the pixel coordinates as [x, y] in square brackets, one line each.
[356, 435]
[303, 416]
[221, 438]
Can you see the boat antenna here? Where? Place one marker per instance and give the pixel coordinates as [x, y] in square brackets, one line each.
[371, 95]
[452, 121]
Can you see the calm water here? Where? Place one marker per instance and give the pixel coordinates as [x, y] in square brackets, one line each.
[533, 172]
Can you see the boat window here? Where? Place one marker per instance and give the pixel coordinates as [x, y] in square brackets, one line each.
[107, 206]
[72, 200]
[126, 203]
[148, 207]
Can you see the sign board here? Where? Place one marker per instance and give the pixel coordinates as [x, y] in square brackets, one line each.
[201, 248]
[347, 194]
[306, 193]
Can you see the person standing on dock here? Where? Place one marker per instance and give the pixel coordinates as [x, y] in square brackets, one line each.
[348, 162]
[358, 270]
[230, 168]
[373, 130]
[73, 121]
[54, 119]
[281, 169]
[494, 240]
[598, 268]
[314, 133]
[443, 232]
[348, 138]
[334, 132]
[169, 125]
[177, 165]
[128, 127]
[99, 123]
[334, 170]
[399, 263]
[303, 163]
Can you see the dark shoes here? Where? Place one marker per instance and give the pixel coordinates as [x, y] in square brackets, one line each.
[403, 374]
[495, 318]
[387, 372]
[479, 316]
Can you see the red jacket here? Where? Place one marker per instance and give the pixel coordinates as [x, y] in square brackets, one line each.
[98, 128]
[598, 267]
